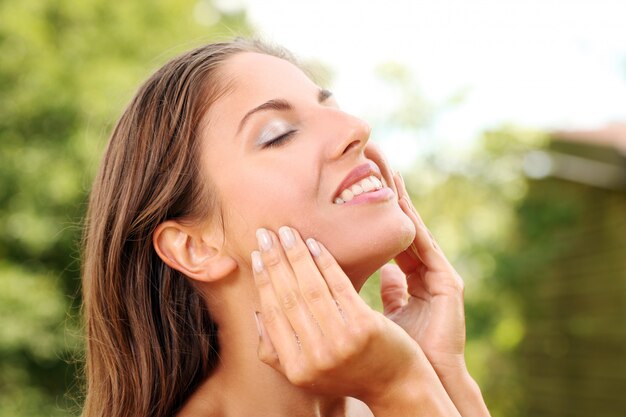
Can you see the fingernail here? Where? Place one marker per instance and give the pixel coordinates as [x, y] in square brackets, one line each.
[264, 239]
[287, 237]
[257, 320]
[257, 262]
[314, 248]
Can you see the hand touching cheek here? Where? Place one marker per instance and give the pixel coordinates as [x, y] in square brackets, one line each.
[318, 332]
[424, 295]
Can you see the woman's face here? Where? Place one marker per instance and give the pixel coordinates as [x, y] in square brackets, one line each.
[279, 151]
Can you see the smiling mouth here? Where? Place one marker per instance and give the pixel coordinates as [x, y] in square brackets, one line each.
[365, 185]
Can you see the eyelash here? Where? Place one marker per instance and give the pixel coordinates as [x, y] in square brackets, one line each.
[279, 140]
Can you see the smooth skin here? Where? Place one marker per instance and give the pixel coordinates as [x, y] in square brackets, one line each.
[323, 337]
[323, 344]
[294, 182]
[423, 294]
[324, 331]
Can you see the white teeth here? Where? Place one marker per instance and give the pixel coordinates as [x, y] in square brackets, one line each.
[347, 195]
[366, 185]
[356, 189]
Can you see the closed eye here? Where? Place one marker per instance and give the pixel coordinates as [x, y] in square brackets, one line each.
[279, 140]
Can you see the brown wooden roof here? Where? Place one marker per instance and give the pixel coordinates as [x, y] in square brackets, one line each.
[612, 135]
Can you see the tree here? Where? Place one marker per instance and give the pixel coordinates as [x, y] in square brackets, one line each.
[67, 69]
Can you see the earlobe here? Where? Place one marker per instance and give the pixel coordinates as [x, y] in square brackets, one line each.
[185, 249]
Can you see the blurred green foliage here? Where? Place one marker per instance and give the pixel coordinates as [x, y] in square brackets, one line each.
[66, 71]
[470, 201]
[470, 204]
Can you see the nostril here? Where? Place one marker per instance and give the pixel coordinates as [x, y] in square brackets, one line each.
[353, 144]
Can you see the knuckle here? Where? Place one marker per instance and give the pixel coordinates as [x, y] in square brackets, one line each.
[313, 293]
[341, 287]
[270, 316]
[344, 347]
[289, 300]
[263, 280]
[272, 259]
[324, 360]
[349, 347]
[324, 263]
[300, 375]
[364, 331]
[358, 335]
[298, 254]
[456, 283]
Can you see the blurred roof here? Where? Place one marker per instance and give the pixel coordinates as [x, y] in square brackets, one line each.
[594, 157]
[612, 135]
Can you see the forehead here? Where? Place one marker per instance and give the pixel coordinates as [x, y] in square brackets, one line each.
[258, 75]
[252, 79]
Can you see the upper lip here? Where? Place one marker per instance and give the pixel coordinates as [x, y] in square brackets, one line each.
[362, 171]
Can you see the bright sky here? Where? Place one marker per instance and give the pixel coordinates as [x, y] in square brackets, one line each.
[537, 63]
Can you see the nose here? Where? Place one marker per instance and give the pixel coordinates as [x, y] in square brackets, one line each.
[348, 133]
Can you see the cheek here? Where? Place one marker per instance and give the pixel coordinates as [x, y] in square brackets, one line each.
[269, 201]
[362, 244]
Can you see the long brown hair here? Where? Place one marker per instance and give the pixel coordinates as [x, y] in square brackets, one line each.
[150, 338]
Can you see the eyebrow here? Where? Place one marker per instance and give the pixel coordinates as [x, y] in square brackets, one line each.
[280, 105]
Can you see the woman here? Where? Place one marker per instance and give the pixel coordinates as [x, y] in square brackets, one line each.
[209, 284]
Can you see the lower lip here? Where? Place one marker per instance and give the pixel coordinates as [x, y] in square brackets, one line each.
[383, 194]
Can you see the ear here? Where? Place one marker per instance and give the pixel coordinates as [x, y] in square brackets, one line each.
[197, 253]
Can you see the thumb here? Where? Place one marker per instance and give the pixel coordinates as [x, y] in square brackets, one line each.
[393, 288]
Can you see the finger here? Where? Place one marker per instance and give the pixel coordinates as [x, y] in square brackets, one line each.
[393, 185]
[385, 169]
[313, 287]
[424, 262]
[348, 300]
[424, 245]
[403, 195]
[286, 288]
[266, 351]
[408, 259]
[393, 288]
[398, 182]
[417, 285]
[423, 282]
[277, 325]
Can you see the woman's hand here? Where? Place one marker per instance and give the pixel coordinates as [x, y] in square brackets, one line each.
[423, 294]
[318, 332]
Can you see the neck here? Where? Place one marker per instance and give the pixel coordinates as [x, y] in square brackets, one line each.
[242, 385]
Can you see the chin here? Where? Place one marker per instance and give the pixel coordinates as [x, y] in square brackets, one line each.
[371, 249]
